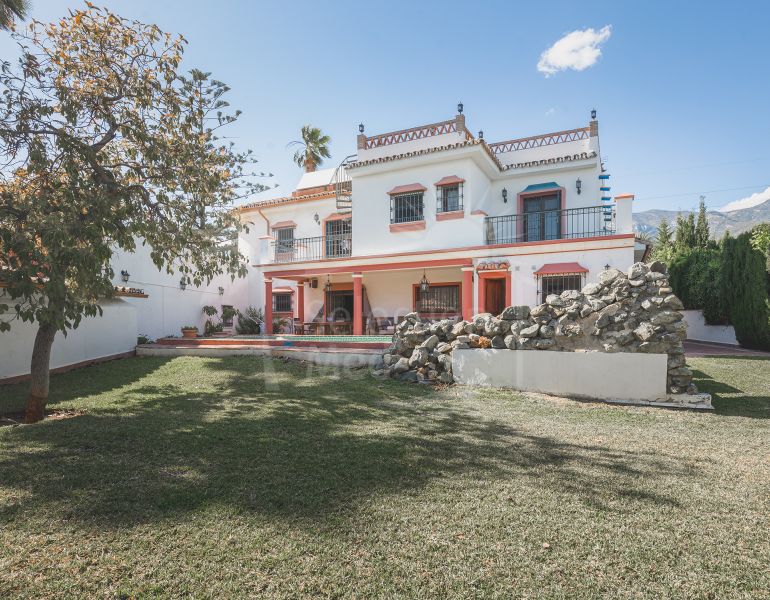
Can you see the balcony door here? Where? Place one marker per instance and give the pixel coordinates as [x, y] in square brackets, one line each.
[542, 217]
[338, 238]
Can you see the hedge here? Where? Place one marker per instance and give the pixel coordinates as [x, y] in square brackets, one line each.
[695, 277]
[744, 291]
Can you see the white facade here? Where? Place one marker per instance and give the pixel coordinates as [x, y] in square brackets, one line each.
[390, 258]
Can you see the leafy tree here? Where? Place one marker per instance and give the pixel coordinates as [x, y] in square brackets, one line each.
[314, 147]
[101, 148]
[744, 289]
[11, 10]
[702, 233]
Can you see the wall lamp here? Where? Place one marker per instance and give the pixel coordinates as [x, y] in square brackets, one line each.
[125, 276]
[317, 219]
[221, 291]
[182, 284]
[578, 185]
[505, 195]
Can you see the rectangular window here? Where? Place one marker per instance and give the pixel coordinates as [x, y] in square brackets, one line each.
[449, 198]
[405, 208]
[556, 284]
[282, 303]
[542, 218]
[284, 241]
[438, 300]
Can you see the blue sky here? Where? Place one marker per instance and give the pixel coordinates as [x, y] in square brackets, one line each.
[681, 88]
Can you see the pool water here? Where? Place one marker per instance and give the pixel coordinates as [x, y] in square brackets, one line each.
[348, 339]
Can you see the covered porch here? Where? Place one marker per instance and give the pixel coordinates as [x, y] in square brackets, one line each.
[372, 299]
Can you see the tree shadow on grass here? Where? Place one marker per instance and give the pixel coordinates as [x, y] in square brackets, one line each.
[82, 382]
[752, 401]
[296, 444]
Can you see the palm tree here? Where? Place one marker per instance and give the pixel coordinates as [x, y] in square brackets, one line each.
[12, 9]
[314, 147]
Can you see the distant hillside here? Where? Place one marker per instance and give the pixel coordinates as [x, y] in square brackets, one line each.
[736, 221]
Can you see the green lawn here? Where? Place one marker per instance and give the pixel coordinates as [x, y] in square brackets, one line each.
[242, 478]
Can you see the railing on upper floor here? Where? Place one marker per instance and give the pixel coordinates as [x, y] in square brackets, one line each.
[312, 248]
[570, 224]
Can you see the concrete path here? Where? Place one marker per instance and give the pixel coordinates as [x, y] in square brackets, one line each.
[694, 348]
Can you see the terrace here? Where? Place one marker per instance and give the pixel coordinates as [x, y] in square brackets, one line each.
[546, 225]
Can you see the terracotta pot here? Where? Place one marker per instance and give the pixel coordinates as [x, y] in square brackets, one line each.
[190, 333]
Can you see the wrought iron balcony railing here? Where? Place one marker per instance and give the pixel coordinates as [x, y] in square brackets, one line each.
[574, 223]
[312, 248]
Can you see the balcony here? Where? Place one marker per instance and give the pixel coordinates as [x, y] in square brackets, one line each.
[312, 248]
[574, 223]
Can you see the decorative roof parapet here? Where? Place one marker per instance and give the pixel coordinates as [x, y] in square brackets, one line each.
[414, 133]
[535, 141]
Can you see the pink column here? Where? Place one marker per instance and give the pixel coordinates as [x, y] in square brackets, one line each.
[301, 301]
[467, 293]
[358, 305]
[268, 306]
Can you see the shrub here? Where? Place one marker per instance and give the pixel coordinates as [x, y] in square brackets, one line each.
[695, 277]
[249, 321]
[744, 290]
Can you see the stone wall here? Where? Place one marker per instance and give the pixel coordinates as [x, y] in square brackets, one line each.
[622, 312]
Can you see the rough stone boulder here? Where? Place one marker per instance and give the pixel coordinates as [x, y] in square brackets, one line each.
[634, 311]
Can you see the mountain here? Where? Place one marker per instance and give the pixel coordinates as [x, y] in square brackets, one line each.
[735, 221]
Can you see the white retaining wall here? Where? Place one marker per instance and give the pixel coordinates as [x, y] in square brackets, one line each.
[698, 329]
[595, 375]
[97, 337]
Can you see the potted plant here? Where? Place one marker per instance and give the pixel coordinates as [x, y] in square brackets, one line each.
[250, 321]
[189, 331]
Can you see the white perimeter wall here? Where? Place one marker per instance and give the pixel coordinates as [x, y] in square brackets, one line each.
[168, 307]
[697, 329]
[96, 337]
[597, 375]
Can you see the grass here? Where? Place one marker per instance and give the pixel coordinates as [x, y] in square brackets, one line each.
[240, 477]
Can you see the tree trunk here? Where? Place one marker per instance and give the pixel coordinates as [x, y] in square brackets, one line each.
[40, 373]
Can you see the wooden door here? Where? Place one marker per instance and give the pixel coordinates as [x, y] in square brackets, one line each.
[494, 296]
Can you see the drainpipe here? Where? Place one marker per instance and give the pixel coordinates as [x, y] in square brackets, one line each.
[267, 221]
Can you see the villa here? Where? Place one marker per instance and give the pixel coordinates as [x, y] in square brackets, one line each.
[437, 220]
[432, 219]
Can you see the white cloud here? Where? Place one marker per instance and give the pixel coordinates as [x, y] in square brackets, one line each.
[577, 50]
[748, 202]
[550, 112]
